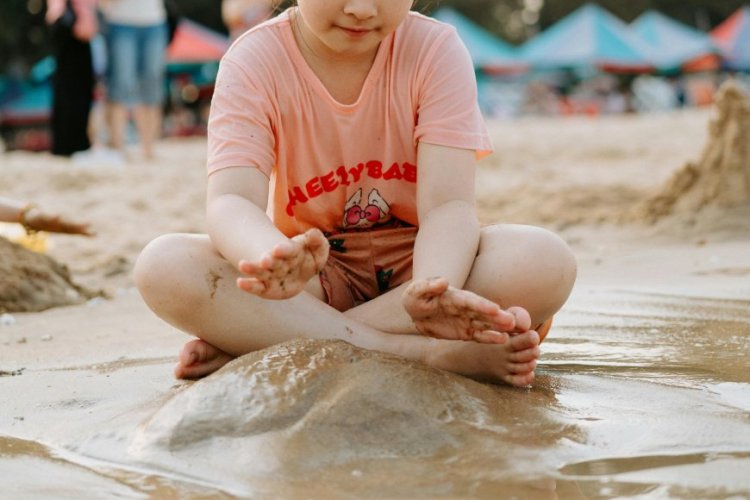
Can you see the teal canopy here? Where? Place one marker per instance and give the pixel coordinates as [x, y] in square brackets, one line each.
[26, 102]
[673, 43]
[588, 37]
[486, 50]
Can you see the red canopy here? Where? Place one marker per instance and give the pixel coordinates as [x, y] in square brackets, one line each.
[733, 38]
[195, 43]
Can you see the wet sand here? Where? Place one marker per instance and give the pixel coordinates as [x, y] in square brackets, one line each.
[643, 387]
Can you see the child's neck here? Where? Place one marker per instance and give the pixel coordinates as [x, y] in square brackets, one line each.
[342, 76]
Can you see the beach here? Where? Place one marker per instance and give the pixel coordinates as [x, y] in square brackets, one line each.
[643, 387]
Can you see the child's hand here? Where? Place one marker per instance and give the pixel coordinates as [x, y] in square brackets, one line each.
[283, 272]
[34, 219]
[444, 312]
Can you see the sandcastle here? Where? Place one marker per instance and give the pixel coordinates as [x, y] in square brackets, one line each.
[721, 177]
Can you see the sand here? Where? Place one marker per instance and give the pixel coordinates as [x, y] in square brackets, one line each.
[643, 387]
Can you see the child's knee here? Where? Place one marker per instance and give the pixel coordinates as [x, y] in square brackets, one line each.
[554, 263]
[156, 265]
[564, 258]
[524, 265]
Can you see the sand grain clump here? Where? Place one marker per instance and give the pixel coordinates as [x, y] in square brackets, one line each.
[34, 282]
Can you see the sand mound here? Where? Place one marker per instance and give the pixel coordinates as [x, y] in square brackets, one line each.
[721, 177]
[35, 282]
[306, 405]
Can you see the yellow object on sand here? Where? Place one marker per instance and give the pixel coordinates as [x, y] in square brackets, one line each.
[36, 242]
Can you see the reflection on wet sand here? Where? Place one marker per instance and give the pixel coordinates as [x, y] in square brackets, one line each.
[663, 396]
[70, 476]
[667, 476]
[668, 339]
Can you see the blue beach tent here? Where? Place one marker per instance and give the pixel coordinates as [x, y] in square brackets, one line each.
[27, 103]
[588, 37]
[675, 45]
[488, 52]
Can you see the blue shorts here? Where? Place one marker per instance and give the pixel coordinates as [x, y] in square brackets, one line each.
[136, 59]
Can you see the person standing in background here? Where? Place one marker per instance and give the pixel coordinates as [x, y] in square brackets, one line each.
[241, 15]
[137, 36]
[73, 24]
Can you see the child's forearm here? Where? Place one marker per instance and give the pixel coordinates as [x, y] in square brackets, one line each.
[239, 229]
[447, 243]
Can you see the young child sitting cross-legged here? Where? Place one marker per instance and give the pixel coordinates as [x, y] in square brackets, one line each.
[342, 145]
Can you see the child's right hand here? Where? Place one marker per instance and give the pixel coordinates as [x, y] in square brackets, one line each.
[284, 271]
[444, 312]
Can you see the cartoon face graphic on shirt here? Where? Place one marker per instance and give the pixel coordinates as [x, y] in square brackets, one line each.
[377, 211]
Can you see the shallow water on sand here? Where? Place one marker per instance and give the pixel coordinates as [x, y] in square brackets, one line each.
[637, 394]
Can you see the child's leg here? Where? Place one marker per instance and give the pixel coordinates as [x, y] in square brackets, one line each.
[516, 265]
[186, 282]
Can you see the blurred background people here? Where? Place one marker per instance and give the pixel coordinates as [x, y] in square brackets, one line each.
[137, 36]
[241, 15]
[73, 24]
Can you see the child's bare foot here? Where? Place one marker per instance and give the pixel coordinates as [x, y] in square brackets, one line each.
[198, 358]
[444, 312]
[513, 362]
[284, 271]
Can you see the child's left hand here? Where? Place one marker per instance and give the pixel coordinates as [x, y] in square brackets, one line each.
[444, 312]
[283, 272]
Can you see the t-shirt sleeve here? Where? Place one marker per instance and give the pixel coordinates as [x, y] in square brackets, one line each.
[240, 125]
[448, 112]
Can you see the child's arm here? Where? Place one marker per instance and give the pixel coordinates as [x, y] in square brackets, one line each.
[445, 248]
[448, 236]
[235, 213]
[276, 267]
[86, 26]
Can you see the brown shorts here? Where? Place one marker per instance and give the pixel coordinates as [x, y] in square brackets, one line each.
[365, 264]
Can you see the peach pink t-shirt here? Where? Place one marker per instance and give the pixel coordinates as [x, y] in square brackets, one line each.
[336, 166]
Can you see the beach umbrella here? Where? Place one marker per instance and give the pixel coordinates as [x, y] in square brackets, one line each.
[194, 53]
[733, 39]
[487, 52]
[194, 43]
[675, 45]
[589, 37]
